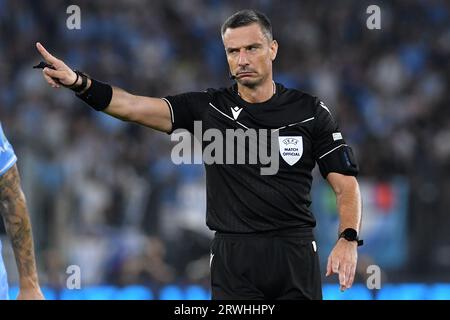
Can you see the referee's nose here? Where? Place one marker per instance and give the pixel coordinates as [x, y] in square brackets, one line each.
[243, 59]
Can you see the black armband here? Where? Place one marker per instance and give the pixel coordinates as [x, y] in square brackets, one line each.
[98, 96]
[340, 160]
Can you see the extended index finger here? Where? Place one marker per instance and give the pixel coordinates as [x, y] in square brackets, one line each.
[342, 276]
[47, 56]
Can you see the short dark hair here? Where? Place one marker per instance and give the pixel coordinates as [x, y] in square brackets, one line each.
[246, 17]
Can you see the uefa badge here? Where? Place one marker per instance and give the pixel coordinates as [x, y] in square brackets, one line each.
[291, 148]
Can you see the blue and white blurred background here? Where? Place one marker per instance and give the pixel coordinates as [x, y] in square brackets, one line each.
[105, 196]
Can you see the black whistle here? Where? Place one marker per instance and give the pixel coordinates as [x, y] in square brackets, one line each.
[43, 65]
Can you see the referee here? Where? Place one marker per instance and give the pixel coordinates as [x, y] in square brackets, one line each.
[264, 246]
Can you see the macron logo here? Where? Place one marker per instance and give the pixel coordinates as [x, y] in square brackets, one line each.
[236, 111]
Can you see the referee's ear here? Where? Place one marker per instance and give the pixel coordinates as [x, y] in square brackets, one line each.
[273, 49]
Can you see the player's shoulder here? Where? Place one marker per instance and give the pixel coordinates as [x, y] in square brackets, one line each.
[3, 140]
[4, 143]
[7, 155]
[1, 130]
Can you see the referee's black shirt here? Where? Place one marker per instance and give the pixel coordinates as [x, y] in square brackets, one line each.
[239, 198]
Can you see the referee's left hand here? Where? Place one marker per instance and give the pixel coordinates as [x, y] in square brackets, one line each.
[342, 261]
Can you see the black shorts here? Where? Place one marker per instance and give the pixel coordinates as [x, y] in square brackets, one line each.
[265, 266]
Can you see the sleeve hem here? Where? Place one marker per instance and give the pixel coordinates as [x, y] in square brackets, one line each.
[172, 117]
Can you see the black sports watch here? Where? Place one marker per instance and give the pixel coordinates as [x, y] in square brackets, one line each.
[351, 234]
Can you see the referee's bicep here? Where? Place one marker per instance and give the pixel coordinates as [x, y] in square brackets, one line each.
[153, 113]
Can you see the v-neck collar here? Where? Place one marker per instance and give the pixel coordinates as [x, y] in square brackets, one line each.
[234, 91]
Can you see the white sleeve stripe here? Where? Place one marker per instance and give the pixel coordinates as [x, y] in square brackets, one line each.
[309, 119]
[8, 165]
[325, 107]
[293, 124]
[172, 116]
[331, 150]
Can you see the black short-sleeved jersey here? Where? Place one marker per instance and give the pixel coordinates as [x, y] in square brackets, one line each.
[239, 198]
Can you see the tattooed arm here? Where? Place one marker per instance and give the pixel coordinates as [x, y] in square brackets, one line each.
[17, 223]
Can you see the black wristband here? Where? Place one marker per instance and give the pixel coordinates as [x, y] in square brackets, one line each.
[81, 87]
[98, 96]
[74, 84]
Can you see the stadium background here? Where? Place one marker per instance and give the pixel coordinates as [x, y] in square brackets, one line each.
[105, 196]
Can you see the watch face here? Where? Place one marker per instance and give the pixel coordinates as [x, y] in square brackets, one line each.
[350, 234]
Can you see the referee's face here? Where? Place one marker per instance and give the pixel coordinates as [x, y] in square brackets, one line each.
[250, 54]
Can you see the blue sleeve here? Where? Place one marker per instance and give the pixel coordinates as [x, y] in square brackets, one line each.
[7, 156]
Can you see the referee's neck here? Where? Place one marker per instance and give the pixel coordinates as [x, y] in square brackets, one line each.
[257, 94]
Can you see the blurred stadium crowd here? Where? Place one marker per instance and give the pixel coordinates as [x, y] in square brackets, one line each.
[105, 195]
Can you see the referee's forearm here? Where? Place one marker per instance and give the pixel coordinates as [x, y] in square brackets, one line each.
[349, 206]
[148, 111]
[121, 105]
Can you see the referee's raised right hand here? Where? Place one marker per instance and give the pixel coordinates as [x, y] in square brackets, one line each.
[62, 72]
